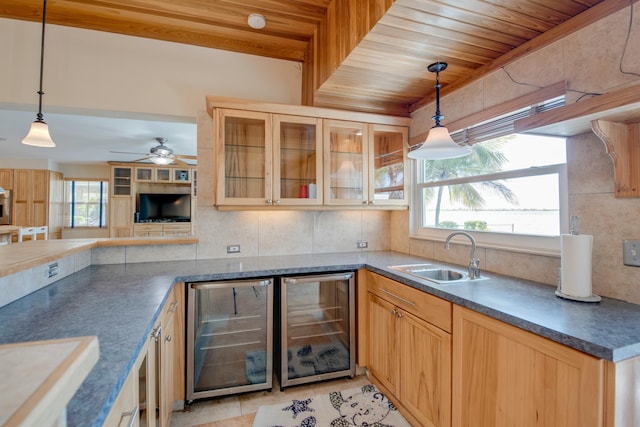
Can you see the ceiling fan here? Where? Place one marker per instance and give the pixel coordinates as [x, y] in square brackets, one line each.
[161, 154]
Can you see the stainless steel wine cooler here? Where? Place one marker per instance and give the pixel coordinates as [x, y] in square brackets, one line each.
[317, 322]
[229, 337]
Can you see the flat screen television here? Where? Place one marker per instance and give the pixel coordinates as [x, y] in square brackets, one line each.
[164, 207]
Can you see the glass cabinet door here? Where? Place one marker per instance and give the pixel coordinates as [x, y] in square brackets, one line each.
[244, 176]
[387, 183]
[297, 160]
[345, 171]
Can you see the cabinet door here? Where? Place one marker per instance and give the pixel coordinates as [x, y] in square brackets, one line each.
[425, 370]
[297, 160]
[6, 179]
[383, 343]
[39, 197]
[504, 376]
[244, 152]
[144, 174]
[345, 168]
[120, 218]
[121, 181]
[387, 166]
[21, 214]
[167, 356]
[163, 175]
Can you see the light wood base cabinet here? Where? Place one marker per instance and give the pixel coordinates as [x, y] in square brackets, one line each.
[156, 380]
[410, 357]
[504, 376]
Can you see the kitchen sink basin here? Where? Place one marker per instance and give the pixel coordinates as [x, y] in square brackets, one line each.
[432, 272]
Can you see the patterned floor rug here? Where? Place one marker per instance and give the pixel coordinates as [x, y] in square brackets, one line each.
[359, 407]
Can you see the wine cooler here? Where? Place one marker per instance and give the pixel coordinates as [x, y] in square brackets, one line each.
[229, 337]
[316, 322]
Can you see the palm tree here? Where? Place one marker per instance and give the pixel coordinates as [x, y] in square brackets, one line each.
[484, 158]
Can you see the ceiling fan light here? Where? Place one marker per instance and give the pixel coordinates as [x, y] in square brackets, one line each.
[38, 135]
[438, 146]
[160, 160]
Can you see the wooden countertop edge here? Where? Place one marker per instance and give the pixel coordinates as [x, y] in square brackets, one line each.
[34, 253]
[61, 385]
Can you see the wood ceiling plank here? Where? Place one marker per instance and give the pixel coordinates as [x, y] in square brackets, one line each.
[469, 35]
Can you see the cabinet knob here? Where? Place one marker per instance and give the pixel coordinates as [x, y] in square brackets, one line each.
[277, 202]
[365, 202]
[394, 311]
[168, 338]
[399, 314]
[372, 202]
[269, 201]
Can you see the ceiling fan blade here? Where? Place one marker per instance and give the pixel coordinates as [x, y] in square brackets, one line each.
[180, 162]
[128, 152]
[184, 156]
[140, 159]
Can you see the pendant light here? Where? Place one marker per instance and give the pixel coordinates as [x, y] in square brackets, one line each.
[38, 135]
[438, 145]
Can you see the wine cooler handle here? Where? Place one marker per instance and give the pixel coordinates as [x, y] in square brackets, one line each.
[294, 280]
[221, 285]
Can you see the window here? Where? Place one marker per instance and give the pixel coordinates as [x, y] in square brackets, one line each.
[511, 190]
[86, 203]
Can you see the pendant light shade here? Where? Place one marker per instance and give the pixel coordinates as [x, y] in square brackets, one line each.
[38, 135]
[438, 145]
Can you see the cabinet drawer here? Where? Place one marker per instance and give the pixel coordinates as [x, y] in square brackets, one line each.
[427, 307]
[184, 227]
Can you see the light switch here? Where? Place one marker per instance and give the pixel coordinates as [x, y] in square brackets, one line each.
[631, 253]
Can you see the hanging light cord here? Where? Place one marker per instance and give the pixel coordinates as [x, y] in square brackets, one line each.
[438, 116]
[40, 92]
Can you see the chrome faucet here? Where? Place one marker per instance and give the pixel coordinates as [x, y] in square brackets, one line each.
[474, 264]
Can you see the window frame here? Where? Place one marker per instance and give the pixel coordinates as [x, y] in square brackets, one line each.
[69, 204]
[532, 244]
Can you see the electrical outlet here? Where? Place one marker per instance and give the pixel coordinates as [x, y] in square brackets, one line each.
[631, 254]
[233, 249]
[362, 244]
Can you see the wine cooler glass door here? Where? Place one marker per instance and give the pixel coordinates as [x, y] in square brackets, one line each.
[229, 337]
[317, 328]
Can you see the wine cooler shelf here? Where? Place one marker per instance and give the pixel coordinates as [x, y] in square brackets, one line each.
[233, 345]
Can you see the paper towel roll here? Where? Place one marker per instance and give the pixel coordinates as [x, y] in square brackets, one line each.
[575, 263]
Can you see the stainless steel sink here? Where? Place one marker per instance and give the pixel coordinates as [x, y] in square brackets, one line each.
[432, 272]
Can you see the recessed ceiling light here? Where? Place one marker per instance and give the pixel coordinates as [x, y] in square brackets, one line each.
[256, 21]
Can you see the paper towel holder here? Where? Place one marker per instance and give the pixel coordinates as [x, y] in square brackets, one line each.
[591, 298]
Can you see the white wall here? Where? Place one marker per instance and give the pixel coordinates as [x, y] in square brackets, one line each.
[92, 70]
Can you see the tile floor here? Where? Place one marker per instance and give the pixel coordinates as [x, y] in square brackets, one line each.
[239, 411]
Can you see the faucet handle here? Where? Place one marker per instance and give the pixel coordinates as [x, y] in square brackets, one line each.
[474, 268]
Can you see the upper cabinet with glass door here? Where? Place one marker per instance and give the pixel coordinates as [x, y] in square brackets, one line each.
[346, 167]
[365, 164]
[300, 156]
[387, 166]
[297, 160]
[269, 159]
[244, 158]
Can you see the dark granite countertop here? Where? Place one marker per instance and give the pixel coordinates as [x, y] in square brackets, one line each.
[120, 304]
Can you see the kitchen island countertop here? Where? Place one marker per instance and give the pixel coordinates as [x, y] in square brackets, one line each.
[119, 304]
